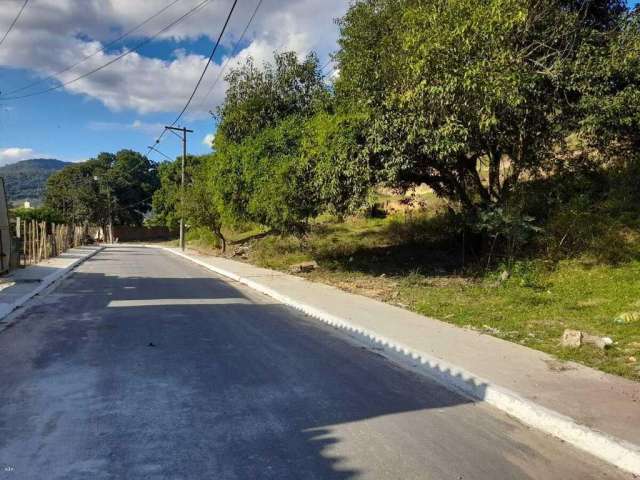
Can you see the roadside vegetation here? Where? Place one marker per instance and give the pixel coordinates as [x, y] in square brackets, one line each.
[410, 260]
[113, 188]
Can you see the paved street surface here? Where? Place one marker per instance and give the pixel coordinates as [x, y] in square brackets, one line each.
[142, 365]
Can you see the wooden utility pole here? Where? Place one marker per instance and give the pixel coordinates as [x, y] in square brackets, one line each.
[184, 159]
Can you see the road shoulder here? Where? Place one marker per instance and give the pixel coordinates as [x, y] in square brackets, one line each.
[23, 284]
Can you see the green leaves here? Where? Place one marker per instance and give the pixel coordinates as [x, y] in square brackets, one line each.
[452, 86]
[258, 98]
[117, 185]
[264, 180]
[281, 155]
[335, 149]
[607, 76]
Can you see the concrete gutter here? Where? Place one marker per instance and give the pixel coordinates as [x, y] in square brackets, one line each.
[619, 452]
[46, 281]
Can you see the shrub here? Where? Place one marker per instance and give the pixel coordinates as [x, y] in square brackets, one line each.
[40, 214]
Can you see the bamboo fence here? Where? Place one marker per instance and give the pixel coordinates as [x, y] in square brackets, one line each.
[42, 240]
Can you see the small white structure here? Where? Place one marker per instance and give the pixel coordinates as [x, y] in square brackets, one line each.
[27, 204]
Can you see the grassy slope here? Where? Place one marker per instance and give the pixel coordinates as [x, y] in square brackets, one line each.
[382, 259]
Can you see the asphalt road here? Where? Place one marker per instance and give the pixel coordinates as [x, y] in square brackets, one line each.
[142, 365]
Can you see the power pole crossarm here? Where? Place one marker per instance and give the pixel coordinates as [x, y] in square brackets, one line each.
[184, 159]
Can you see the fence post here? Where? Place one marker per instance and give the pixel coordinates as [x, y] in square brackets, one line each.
[25, 243]
[38, 249]
[32, 227]
[45, 239]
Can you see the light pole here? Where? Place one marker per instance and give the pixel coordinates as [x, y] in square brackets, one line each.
[110, 219]
[184, 158]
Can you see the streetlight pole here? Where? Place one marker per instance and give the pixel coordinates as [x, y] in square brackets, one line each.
[108, 236]
[184, 158]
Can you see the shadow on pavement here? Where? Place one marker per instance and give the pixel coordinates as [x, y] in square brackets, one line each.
[237, 390]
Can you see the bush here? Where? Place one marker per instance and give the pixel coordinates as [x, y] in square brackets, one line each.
[334, 148]
[39, 214]
[203, 237]
[423, 228]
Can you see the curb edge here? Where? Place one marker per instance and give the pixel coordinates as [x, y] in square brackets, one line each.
[620, 453]
[47, 281]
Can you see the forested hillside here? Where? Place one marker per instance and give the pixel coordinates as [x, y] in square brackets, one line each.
[26, 180]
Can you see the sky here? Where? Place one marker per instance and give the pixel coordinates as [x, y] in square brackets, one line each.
[126, 104]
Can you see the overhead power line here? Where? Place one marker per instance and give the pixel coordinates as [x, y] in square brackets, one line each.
[236, 48]
[213, 52]
[161, 153]
[127, 207]
[204, 71]
[87, 57]
[114, 60]
[15, 20]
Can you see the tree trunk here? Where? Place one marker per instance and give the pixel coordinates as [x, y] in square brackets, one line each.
[223, 240]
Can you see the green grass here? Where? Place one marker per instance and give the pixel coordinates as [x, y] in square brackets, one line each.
[409, 261]
[573, 295]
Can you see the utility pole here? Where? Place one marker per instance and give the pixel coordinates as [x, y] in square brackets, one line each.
[108, 235]
[110, 215]
[184, 158]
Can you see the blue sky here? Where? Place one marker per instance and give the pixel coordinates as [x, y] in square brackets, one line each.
[127, 104]
[74, 127]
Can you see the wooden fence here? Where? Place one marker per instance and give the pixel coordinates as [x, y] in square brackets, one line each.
[42, 240]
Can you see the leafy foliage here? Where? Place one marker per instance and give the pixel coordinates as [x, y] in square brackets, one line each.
[198, 204]
[334, 148]
[258, 98]
[40, 214]
[167, 199]
[264, 180]
[471, 98]
[117, 186]
[522, 115]
[75, 195]
[608, 74]
[281, 156]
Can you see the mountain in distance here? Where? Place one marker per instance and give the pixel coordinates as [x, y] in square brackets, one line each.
[26, 180]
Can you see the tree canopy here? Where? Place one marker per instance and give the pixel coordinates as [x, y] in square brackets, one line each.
[469, 97]
[118, 185]
[272, 164]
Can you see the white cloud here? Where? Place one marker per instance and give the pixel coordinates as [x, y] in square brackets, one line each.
[136, 125]
[208, 139]
[15, 154]
[56, 33]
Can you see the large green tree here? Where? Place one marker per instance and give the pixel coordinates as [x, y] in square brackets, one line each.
[259, 172]
[607, 73]
[264, 179]
[258, 97]
[470, 97]
[111, 186]
[198, 205]
[135, 179]
[74, 193]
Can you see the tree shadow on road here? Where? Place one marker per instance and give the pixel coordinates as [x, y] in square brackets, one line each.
[236, 390]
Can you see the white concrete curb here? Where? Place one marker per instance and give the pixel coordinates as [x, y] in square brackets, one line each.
[53, 277]
[618, 452]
